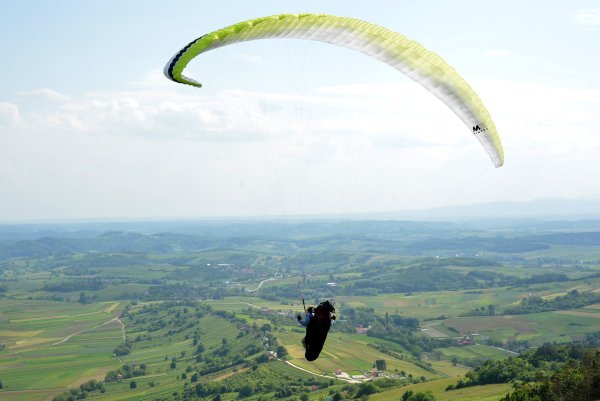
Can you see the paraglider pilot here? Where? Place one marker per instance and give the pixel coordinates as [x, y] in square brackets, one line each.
[308, 315]
[317, 322]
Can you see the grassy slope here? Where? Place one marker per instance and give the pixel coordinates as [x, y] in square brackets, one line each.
[350, 353]
[36, 363]
[536, 328]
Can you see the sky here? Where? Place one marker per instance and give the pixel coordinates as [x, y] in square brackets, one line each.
[91, 129]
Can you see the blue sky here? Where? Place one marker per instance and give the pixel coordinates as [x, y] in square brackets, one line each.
[89, 127]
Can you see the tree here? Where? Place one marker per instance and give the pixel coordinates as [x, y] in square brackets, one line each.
[122, 349]
[419, 396]
[366, 389]
[132, 384]
[1, 385]
[380, 364]
[406, 396]
[83, 298]
[422, 396]
[199, 390]
[173, 365]
[246, 391]
[577, 380]
[281, 351]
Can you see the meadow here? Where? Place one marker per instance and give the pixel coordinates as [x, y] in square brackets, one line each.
[536, 329]
[51, 346]
[348, 353]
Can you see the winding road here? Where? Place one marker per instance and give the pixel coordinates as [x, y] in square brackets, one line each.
[349, 380]
[260, 284]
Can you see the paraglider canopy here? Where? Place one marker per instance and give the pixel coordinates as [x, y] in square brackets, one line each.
[394, 49]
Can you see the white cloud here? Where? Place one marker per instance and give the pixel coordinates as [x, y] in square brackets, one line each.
[497, 53]
[589, 17]
[383, 113]
[45, 93]
[166, 151]
[9, 114]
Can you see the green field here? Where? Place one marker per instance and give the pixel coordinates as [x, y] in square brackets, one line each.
[434, 304]
[53, 346]
[560, 326]
[490, 392]
[349, 353]
[473, 353]
[33, 324]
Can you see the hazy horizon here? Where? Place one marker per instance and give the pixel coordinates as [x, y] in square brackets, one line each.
[544, 209]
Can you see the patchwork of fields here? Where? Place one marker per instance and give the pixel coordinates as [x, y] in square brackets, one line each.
[173, 316]
[51, 346]
[538, 328]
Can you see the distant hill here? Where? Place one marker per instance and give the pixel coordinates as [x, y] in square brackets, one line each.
[538, 209]
[547, 214]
